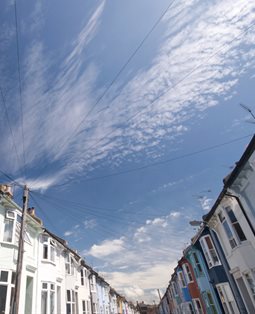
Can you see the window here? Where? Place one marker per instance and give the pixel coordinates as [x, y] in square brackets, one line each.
[9, 223]
[228, 231]
[227, 299]
[181, 279]
[235, 224]
[198, 265]
[211, 304]
[82, 277]
[174, 288]
[187, 272]
[7, 281]
[69, 264]
[49, 249]
[85, 307]
[71, 302]
[209, 251]
[250, 280]
[190, 308]
[197, 306]
[48, 298]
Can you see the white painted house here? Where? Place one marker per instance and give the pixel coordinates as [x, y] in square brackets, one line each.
[233, 219]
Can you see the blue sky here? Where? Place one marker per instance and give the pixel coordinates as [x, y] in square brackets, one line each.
[87, 136]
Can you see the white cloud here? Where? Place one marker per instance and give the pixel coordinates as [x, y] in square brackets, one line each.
[106, 248]
[68, 233]
[206, 203]
[146, 257]
[89, 224]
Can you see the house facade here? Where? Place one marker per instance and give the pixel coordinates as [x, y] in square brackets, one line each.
[232, 218]
[222, 253]
[54, 278]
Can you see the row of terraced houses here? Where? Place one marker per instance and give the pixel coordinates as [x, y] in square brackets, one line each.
[55, 279]
[216, 273]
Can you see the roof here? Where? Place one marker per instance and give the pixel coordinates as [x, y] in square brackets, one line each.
[230, 179]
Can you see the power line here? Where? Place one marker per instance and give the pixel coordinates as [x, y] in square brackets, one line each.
[157, 163]
[10, 178]
[42, 211]
[9, 124]
[20, 89]
[174, 85]
[76, 131]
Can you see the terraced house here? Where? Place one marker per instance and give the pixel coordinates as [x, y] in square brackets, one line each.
[54, 278]
[221, 256]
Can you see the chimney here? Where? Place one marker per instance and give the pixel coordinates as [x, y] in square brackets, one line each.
[6, 189]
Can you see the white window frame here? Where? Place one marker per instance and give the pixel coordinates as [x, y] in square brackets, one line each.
[69, 264]
[195, 303]
[250, 283]
[188, 273]
[9, 284]
[50, 289]
[10, 216]
[227, 209]
[82, 277]
[49, 246]
[223, 217]
[73, 301]
[209, 253]
[227, 298]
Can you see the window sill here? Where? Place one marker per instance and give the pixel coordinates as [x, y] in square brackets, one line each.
[14, 245]
[45, 261]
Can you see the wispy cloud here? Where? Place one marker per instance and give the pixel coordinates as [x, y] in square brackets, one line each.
[199, 59]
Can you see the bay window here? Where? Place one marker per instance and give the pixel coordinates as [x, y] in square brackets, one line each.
[209, 251]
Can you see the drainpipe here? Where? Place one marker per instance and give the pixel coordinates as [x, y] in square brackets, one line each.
[232, 282]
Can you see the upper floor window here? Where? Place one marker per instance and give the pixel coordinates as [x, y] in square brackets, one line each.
[174, 288]
[235, 224]
[228, 230]
[232, 227]
[187, 272]
[49, 249]
[198, 266]
[209, 251]
[181, 279]
[9, 226]
[69, 262]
